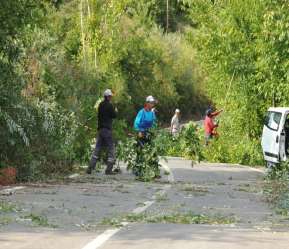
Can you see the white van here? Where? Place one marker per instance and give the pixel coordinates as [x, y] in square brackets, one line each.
[275, 137]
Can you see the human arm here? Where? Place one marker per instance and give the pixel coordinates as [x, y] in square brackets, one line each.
[216, 113]
[137, 121]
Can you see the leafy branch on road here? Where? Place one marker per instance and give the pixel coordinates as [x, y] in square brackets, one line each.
[175, 218]
[6, 207]
[39, 220]
[141, 160]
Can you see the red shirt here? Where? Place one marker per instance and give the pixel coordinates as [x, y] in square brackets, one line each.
[209, 123]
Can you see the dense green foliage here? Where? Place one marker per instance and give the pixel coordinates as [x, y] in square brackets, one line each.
[187, 143]
[57, 57]
[243, 48]
[141, 158]
[145, 160]
[33, 130]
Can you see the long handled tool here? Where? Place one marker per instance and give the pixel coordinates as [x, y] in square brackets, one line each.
[227, 93]
[230, 84]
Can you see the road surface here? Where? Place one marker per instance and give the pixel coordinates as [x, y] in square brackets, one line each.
[89, 212]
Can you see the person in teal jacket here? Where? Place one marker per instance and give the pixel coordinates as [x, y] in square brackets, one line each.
[146, 117]
[144, 121]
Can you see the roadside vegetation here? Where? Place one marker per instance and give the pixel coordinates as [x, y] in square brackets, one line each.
[276, 188]
[243, 49]
[57, 57]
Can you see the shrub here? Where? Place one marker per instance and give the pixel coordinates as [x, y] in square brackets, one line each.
[234, 149]
[186, 144]
[141, 160]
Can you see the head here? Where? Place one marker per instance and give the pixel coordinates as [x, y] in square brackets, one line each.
[150, 102]
[209, 112]
[108, 94]
[177, 112]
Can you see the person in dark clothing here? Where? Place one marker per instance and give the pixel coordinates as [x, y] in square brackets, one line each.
[106, 114]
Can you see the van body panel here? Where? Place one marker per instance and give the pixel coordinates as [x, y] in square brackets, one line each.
[274, 137]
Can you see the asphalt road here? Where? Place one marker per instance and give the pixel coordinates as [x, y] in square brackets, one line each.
[70, 214]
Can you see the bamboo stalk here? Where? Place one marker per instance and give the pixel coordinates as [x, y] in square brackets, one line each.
[167, 27]
[82, 32]
[88, 8]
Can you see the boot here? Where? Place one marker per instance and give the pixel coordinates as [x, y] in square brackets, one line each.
[92, 164]
[89, 170]
[109, 168]
[117, 170]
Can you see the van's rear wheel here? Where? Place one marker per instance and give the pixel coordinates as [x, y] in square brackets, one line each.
[270, 165]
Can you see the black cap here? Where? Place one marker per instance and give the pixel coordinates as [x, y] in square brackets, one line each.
[209, 112]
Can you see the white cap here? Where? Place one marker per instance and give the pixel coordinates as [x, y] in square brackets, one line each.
[150, 99]
[177, 111]
[107, 93]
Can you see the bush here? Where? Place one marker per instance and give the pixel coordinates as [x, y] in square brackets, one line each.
[279, 171]
[54, 68]
[242, 47]
[234, 149]
[186, 144]
[143, 161]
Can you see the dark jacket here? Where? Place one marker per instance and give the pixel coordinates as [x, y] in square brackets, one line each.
[106, 113]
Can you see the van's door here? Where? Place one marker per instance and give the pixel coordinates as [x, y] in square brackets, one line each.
[282, 151]
[284, 137]
[271, 136]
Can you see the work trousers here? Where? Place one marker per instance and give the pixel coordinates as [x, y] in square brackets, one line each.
[104, 141]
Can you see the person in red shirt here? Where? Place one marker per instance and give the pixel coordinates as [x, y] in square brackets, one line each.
[210, 125]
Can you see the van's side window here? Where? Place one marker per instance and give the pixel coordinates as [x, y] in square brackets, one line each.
[272, 120]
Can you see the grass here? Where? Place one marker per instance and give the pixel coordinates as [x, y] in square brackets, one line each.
[175, 218]
[39, 220]
[5, 221]
[6, 207]
[159, 197]
[276, 188]
[247, 188]
[166, 172]
[194, 189]
[276, 192]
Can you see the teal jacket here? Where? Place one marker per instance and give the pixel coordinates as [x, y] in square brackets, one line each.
[144, 120]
